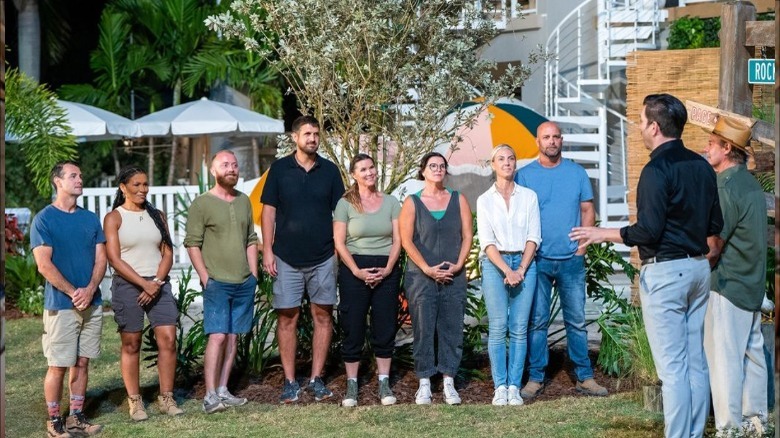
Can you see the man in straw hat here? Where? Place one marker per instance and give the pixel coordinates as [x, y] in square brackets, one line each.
[677, 211]
[732, 327]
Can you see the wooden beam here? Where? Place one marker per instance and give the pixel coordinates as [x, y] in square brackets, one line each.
[712, 9]
[760, 33]
[735, 94]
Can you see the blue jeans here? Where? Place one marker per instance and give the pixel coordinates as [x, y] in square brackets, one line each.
[509, 308]
[674, 298]
[568, 275]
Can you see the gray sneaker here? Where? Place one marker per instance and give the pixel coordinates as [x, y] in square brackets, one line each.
[212, 403]
[290, 392]
[351, 397]
[229, 399]
[320, 391]
[386, 395]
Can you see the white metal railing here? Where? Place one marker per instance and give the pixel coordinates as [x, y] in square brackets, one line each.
[501, 12]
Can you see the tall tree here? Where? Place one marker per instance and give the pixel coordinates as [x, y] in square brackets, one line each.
[382, 74]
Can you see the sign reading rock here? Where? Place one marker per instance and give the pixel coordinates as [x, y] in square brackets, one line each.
[761, 71]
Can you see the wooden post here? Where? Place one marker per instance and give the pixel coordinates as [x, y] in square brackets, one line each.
[777, 223]
[2, 223]
[735, 94]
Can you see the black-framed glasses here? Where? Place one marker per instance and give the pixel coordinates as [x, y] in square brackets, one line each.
[434, 166]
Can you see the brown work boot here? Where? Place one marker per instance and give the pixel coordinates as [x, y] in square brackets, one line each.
[590, 387]
[167, 404]
[531, 390]
[137, 410]
[77, 425]
[55, 428]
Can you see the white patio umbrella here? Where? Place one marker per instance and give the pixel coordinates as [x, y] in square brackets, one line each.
[204, 116]
[90, 123]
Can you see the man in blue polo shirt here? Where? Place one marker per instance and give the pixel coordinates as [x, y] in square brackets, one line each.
[565, 201]
[299, 197]
[69, 248]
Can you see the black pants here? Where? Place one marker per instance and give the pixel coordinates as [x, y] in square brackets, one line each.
[355, 301]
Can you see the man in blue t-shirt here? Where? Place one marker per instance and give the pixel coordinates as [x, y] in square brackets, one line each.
[69, 249]
[565, 201]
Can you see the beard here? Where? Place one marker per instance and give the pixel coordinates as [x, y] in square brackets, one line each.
[227, 180]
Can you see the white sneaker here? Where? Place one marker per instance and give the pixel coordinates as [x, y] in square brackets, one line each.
[514, 396]
[500, 396]
[451, 396]
[423, 395]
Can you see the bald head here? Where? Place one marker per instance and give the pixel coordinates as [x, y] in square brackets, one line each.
[550, 142]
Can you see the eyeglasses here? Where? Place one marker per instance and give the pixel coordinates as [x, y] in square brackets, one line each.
[434, 166]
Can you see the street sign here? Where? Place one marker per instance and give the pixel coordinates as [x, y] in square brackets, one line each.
[761, 71]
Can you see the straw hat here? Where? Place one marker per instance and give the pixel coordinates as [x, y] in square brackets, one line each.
[737, 134]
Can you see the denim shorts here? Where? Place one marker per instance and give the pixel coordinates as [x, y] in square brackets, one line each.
[318, 281]
[129, 315]
[228, 307]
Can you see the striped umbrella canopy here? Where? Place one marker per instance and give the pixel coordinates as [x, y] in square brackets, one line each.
[508, 121]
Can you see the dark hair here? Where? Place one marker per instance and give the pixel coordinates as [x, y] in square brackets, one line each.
[424, 162]
[125, 174]
[304, 120]
[56, 171]
[668, 112]
[352, 194]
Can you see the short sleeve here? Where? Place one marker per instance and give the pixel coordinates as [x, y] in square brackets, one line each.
[100, 236]
[341, 213]
[251, 234]
[586, 190]
[39, 232]
[337, 188]
[395, 207]
[730, 212]
[270, 195]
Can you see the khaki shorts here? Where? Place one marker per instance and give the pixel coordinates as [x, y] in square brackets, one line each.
[69, 334]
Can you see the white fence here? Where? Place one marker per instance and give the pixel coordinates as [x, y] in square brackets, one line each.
[172, 200]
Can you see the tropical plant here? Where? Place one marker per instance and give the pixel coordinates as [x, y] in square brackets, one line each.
[256, 348]
[21, 273]
[39, 124]
[30, 301]
[380, 75]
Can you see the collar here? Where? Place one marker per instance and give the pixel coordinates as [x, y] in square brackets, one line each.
[494, 189]
[294, 162]
[728, 173]
[671, 144]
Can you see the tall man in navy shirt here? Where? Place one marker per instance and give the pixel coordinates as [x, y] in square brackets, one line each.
[677, 210]
[299, 197]
[70, 250]
[565, 201]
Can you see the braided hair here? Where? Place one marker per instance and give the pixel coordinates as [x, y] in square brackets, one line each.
[125, 174]
[352, 194]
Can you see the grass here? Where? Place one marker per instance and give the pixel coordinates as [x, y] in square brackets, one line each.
[617, 415]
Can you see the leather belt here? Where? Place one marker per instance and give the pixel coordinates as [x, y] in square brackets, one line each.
[660, 259]
[511, 252]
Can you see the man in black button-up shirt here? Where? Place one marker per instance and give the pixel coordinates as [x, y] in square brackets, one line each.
[677, 209]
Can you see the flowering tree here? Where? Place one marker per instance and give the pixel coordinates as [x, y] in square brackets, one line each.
[381, 74]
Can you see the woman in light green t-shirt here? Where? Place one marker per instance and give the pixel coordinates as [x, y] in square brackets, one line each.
[365, 231]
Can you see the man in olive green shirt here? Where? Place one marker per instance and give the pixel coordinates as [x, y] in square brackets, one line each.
[733, 342]
[222, 246]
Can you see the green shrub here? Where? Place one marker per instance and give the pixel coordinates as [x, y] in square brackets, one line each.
[30, 301]
[694, 33]
[21, 273]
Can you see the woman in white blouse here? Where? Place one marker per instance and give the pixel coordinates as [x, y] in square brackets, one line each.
[509, 233]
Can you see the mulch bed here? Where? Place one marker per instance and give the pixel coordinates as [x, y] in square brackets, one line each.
[267, 388]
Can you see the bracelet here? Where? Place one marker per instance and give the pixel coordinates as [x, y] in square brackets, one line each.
[157, 280]
[521, 266]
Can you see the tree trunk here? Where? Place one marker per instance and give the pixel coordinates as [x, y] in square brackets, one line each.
[172, 163]
[653, 401]
[150, 170]
[29, 34]
[255, 158]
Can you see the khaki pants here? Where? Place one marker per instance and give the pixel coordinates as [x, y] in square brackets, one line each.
[738, 376]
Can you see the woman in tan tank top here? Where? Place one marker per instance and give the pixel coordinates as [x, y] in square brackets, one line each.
[140, 250]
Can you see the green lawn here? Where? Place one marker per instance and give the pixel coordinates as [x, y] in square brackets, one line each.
[615, 416]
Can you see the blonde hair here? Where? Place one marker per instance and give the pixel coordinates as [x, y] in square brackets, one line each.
[498, 148]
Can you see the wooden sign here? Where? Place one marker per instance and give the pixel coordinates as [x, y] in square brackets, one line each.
[706, 116]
